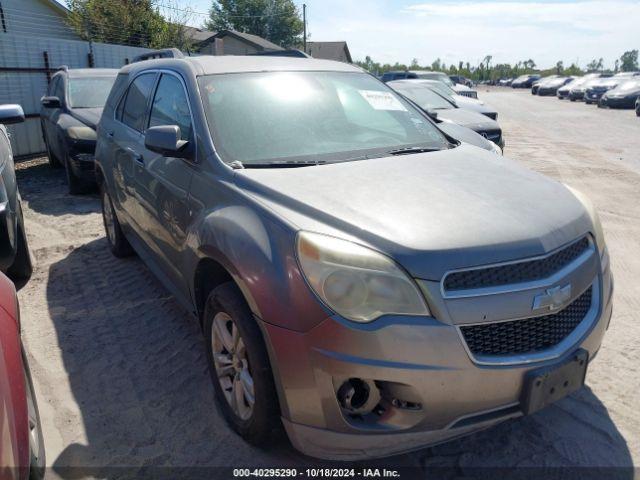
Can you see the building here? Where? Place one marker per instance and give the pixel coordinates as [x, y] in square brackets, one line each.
[231, 42]
[338, 51]
[35, 18]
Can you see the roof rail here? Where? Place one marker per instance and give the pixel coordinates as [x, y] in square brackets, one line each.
[63, 67]
[281, 53]
[165, 53]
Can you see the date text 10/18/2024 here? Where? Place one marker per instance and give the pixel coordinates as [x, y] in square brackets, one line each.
[316, 473]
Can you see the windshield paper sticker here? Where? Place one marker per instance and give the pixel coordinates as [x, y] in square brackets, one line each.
[380, 100]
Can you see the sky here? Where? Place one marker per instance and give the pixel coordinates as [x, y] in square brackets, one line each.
[510, 30]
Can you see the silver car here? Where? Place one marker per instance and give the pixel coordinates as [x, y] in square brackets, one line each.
[362, 280]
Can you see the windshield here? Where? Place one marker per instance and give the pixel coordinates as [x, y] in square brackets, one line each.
[629, 86]
[423, 96]
[89, 92]
[310, 117]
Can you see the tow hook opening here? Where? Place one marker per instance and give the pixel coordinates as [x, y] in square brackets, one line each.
[358, 396]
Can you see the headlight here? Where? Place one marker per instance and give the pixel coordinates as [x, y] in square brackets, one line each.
[496, 148]
[595, 219]
[81, 133]
[356, 282]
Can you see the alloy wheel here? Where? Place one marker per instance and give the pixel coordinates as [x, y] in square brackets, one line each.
[232, 365]
[34, 425]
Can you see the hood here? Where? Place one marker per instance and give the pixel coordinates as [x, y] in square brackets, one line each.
[467, 118]
[461, 88]
[89, 116]
[466, 135]
[473, 104]
[431, 212]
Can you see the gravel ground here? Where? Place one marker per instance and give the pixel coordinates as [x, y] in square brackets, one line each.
[119, 367]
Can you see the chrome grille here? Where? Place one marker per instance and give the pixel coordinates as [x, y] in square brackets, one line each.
[512, 273]
[529, 335]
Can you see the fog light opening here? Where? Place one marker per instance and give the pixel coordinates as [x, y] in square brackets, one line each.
[357, 396]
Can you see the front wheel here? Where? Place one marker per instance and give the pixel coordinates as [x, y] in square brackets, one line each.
[37, 460]
[239, 366]
[118, 243]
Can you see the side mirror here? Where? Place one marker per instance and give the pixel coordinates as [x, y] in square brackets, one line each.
[11, 114]
[165, 140]
[433, 115]
[50, 102]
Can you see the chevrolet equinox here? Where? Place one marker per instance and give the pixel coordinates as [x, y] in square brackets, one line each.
[361, 278]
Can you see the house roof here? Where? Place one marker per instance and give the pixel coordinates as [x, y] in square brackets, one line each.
[58, 6]
[254, 40]
[198, 35]
[329, 50]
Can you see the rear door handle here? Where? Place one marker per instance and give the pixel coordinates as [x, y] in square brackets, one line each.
[110, 134]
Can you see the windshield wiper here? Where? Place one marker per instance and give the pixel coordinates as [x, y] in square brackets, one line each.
[284, 164]
[412, 150]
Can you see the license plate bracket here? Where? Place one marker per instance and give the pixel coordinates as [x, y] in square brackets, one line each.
[547, 385]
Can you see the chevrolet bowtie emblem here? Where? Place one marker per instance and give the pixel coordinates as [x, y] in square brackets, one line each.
[552, 298]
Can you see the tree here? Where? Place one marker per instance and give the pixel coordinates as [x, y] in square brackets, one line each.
[629, 61]
[559, 67]
[595, 65]
[128, 22]
[276, 20]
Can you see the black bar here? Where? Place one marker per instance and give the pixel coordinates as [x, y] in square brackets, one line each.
[28, 69]
[45, 54]
[4, 24]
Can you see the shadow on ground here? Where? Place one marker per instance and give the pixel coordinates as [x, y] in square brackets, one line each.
[45, 190]
[136, 366]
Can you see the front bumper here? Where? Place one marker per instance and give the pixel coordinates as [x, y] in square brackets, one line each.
[417, 361]
[593, 96]
[576, 95]
[562, 94]
[81, 158]
[618, 102]
[547, 91]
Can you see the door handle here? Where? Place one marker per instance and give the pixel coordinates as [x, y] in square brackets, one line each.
[136, 156]
[110, 134]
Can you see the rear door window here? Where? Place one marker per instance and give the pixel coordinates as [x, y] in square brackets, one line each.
[135, 103]
[171, 106]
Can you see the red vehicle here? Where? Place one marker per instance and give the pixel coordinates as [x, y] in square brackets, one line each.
[21, 442]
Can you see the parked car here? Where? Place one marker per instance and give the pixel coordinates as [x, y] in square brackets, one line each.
[577, 92]
[622, 96]
[460, 80]
[440, 107]
[596, 90]
[638, 107]
[550, 87]
[536, 85]
[462, 90]
[15, 258]
[353, 270]
[22, 454]
[525, 81]
[69, 115]
[565, 91]
[460, 101]
[505, 82]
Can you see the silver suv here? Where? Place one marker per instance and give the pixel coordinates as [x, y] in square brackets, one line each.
[361, 278]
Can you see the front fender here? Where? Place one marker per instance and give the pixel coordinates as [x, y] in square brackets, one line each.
[258, 251]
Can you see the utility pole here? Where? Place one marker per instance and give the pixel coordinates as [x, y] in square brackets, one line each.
[304, 25]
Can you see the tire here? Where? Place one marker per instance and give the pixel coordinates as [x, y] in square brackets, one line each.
[118, 243]
[227, 308]
[37, 457]
[77, 186]
[22, 268]
[54, 162]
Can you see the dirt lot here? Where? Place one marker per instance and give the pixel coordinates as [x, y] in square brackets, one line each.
[120, 371]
